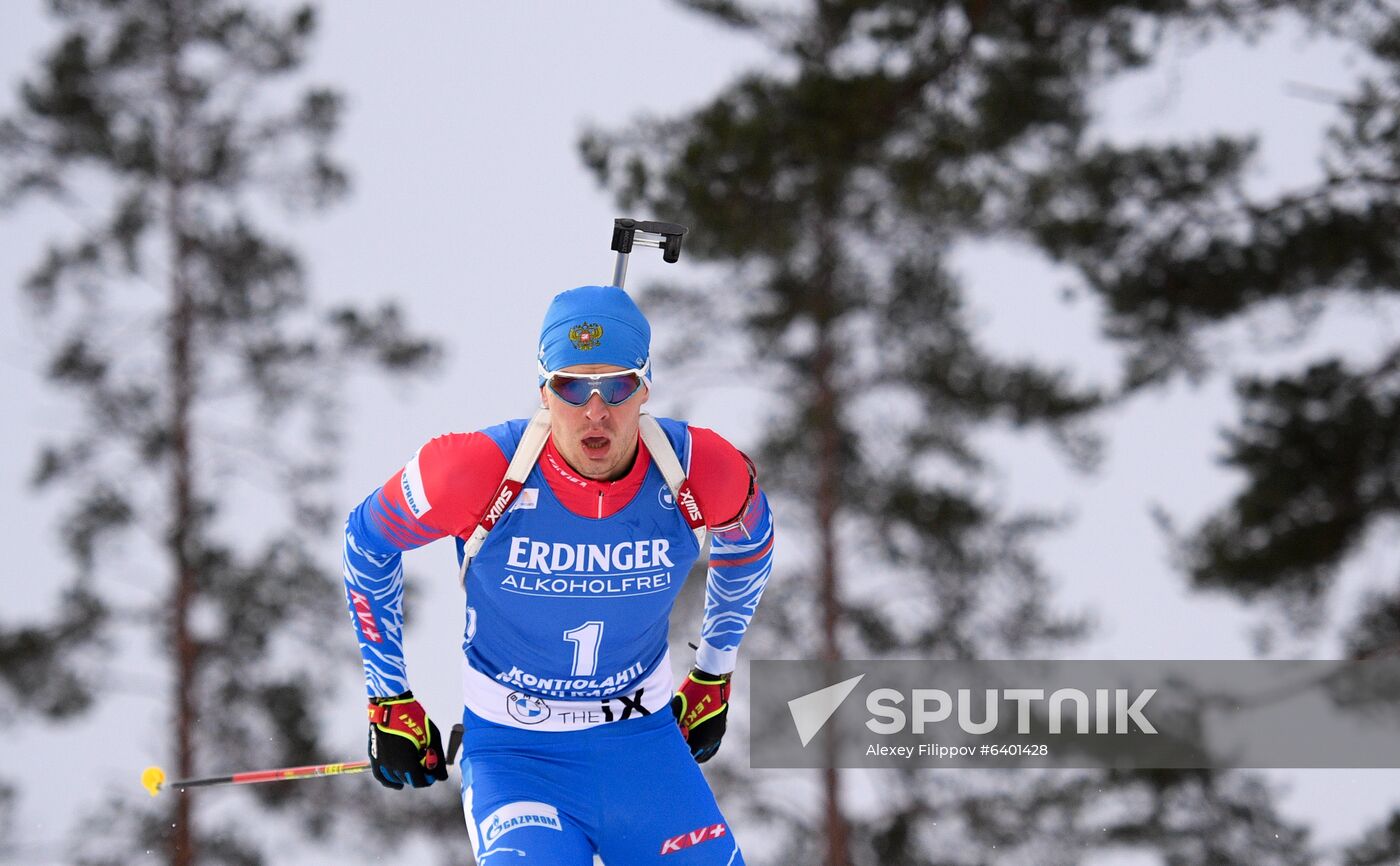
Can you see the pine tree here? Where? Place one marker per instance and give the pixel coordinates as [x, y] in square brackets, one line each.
[833, 189]
[1316, 446]
[1182, 254]
[207, 384]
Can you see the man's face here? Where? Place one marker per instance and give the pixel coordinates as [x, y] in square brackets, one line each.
[599, 441]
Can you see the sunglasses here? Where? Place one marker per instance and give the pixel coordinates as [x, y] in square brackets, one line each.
[576, 389]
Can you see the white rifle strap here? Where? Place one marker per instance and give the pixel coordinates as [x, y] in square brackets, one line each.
[526, 453]
[665, 456]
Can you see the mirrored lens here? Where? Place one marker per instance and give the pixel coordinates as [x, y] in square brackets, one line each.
[613, 389]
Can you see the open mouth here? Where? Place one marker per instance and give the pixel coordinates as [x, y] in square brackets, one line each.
[595, 446]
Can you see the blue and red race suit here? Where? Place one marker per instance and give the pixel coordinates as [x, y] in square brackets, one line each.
[568, 605]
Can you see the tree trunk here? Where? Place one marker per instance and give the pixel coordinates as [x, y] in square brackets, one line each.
[182, 536]
[828, 502]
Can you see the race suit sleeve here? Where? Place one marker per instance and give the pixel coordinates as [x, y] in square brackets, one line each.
[442, 491]
[741, 546]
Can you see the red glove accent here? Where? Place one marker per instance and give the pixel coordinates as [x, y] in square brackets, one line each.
[701, 708]
[404, 745]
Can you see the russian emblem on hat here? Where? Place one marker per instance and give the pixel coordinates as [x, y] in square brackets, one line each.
[585, 336]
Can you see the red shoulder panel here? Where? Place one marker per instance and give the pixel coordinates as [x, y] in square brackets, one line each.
[719, 476]
[446, 487]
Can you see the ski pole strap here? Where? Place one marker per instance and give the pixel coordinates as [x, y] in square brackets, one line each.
[379, 708]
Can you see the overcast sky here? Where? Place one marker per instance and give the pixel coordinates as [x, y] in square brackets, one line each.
[470, 207]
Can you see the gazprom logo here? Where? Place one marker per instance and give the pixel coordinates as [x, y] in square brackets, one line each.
[414, 493]
[513, 816]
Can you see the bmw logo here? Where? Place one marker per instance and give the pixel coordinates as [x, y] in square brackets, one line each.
[666, 498]
[526, 709]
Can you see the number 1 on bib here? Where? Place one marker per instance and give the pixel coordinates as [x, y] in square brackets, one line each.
[585, 639]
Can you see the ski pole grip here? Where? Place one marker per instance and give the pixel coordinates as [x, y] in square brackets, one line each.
[623, 231]
[672, 235]
[454, 742]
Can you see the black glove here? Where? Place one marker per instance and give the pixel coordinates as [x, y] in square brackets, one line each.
[701, 706]
[405, 747]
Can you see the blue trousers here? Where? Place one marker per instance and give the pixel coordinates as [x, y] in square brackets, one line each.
[628, 791]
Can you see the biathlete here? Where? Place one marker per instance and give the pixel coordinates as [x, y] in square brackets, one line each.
[574, 530]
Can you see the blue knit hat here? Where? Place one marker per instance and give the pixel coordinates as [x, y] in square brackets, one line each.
[594, 325]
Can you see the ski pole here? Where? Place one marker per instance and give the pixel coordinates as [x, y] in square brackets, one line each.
[666, 236]
[153, 778]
